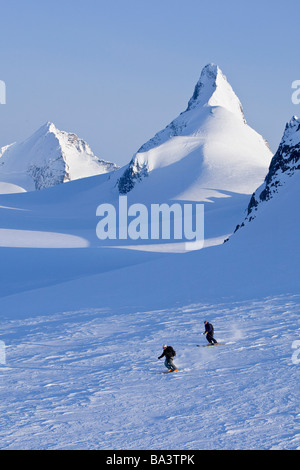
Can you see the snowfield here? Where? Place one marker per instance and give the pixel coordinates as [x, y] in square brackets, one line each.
[90, 379]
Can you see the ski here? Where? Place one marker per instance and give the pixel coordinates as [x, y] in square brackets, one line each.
[209, 345]
[170, 371]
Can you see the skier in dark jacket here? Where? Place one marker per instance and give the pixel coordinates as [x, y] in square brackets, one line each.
[168, 353]
[209, 332]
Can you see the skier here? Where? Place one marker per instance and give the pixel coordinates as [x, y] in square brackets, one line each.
[169, 353]
[209, 332]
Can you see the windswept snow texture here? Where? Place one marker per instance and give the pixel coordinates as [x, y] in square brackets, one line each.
[90, 379]
[47, 158]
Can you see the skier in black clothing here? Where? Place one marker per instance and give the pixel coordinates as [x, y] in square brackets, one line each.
[209, 332]
[168, 353]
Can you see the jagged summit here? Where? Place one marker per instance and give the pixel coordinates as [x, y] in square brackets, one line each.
[48, 126]
[213, 89]
[283, 166]
[291, 130]
[206, 85]
[49, 157]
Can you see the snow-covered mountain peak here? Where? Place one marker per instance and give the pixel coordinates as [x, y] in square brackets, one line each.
[213, 89]
[49, 157]
[223, 152]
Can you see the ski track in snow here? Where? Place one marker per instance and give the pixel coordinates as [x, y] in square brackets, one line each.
[90, 379]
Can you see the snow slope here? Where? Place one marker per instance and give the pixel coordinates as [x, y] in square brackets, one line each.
[47, 158]
[90, 378]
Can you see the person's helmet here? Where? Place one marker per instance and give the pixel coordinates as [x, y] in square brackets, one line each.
[165, 346]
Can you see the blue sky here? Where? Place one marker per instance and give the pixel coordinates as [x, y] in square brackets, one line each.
[116, 72]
